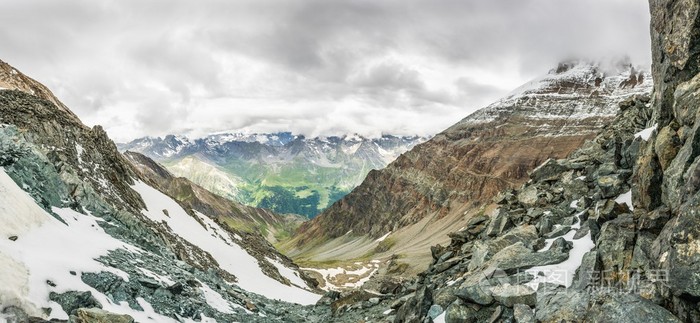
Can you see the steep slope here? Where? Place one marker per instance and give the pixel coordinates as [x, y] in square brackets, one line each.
[428, 191]
[83, 229]
[193, 196]
[281, 172]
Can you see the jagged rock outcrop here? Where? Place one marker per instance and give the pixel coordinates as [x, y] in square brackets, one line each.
[667, 180]
[10, 78]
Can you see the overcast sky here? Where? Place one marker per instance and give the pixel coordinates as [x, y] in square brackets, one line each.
[314, 67]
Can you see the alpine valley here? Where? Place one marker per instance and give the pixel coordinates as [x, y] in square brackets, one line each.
[282, 172]
[574, 198]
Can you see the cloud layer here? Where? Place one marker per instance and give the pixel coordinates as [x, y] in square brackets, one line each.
[315, 67]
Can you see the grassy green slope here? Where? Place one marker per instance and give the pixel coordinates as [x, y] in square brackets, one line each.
[292, 187]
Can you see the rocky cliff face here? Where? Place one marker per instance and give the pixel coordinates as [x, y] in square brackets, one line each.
[82, 228]
[667, 175]
[487, 152]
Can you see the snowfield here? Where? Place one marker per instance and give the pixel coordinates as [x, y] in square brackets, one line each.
[47, 249]
[38, 252]
[217, 242]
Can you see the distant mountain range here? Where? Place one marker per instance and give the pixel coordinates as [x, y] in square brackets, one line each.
[283, 172]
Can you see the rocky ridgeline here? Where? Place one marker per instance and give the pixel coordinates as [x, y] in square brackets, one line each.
[63, 164]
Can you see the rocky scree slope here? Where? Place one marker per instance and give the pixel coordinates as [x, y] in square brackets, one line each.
[87, 236]
[568, 246]
[462, 168]
[609, 234]
[283, 172]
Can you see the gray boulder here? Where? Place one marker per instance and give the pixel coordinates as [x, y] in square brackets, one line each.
[96, 315]
[510, 295]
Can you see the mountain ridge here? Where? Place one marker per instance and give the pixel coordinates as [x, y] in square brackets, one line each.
[283, 172]
[458, 171]
[148, 255]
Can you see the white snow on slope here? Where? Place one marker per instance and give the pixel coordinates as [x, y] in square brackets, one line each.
[47, 250]
[230, 256]
[646, 133]
[215, 300]
[287, 272]
[562, 273]
[440, 318]
[360, 275]
[625, 198]
[165, 280]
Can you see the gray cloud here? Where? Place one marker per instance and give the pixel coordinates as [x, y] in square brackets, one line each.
[313, 66]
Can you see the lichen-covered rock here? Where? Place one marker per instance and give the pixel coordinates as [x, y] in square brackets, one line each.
[585, 274]
[667, 145]
[458, 312]
[616, 245]
[556, 304]
[96, 315]
[73, 300]
[628, 308]
[478, 294]
[416, 307]
[510, 295]
[500, 222]
[551, 169]
[529, 196]
[523, 314]
[678, 250]
[646, 191]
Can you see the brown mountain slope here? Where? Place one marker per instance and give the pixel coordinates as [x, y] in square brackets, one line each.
[10, 78]
[462, 168]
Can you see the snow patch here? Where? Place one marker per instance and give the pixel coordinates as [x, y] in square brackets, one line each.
[562, 273]
[165, 280]
[363, 274]
[573, 204]
[29, 262]
[79, 150]
[646, 133]
[440, 318]
[287, 272]
[215, 300]
[625, 198]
